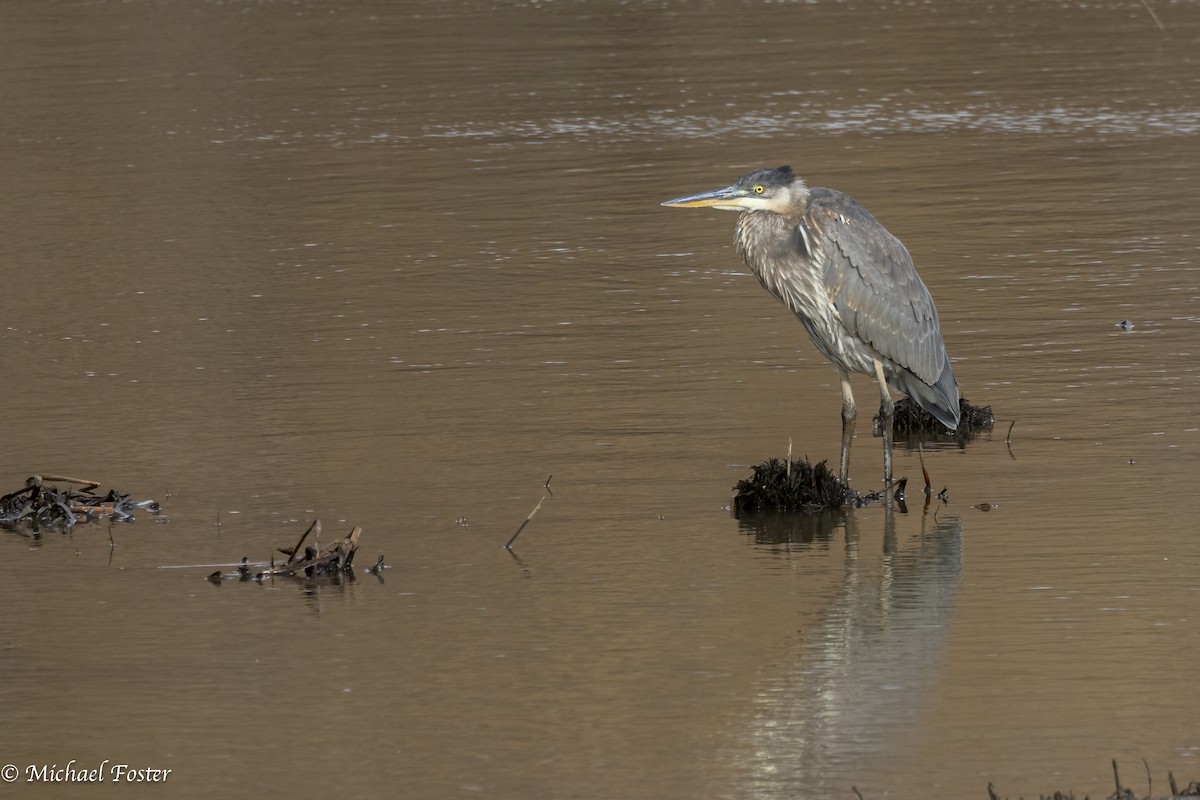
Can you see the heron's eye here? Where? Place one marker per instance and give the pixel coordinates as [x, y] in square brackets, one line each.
[759, 189]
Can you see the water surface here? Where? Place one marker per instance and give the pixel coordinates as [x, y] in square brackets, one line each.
[394, 265]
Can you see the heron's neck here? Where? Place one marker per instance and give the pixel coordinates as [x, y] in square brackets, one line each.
[790, 204]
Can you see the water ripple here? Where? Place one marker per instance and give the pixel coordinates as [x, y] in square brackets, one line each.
[868, 118]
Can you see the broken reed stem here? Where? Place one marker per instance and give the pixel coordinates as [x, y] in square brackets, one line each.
[1116, 777]
[316, 523]
[789, 458]
[1153, 16]
[857, 792]
[509, 543]
[1008, 436]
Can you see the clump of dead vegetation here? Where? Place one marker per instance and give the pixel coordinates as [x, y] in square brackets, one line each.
[56, 502]
[788, 485]
[912, 420]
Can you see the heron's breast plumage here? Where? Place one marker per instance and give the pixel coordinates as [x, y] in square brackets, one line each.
[787, 260]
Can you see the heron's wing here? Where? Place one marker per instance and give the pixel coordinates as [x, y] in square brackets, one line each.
[876, 290]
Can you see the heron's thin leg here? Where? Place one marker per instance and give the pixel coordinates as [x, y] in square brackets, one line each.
[887, 412]
[849, 412]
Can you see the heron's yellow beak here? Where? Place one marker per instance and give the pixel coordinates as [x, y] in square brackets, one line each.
[731, 198]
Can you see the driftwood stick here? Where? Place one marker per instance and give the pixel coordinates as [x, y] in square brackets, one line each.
[316, 523]
[299, 566]
[508, 545]
[345, 549]
[1117, 778]
[36, 480]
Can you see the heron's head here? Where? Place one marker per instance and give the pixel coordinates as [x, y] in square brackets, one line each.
[777, 190]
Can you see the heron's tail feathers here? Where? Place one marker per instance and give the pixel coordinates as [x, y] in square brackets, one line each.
[939, 398]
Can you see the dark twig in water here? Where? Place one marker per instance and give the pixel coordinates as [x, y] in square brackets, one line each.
[1120, 793]
[858, 793]
[924, 472]
[508, 545]
[546, 485]
[291, 554]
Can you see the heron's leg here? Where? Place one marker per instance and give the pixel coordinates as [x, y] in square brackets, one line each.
[849, 412]
[887, 412]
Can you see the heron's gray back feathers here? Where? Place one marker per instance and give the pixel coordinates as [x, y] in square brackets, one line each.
[852, 283]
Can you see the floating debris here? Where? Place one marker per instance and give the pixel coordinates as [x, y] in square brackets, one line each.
[44, 505]
[1124, 325]
[335, 562]
[912, 420]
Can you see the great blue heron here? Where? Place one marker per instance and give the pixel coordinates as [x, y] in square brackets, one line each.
[853, 286]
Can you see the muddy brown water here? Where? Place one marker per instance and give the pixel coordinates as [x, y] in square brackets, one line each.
[394, 264]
